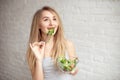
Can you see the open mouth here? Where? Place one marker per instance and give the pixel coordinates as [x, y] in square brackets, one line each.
[50, 31]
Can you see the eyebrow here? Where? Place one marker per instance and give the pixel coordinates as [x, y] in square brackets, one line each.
[45, 17]
[48, 17]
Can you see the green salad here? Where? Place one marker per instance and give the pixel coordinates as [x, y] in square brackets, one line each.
[66, 65]
[50, 32]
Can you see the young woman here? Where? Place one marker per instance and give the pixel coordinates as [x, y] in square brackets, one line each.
[43, 50]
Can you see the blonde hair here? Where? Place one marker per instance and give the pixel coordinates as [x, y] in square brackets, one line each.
[35, 35]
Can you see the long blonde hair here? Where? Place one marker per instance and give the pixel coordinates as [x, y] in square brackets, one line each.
[35, 35]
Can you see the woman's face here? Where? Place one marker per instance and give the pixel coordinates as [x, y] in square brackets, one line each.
[48, 20]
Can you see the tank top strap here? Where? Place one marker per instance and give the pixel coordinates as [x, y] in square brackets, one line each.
[66, 55]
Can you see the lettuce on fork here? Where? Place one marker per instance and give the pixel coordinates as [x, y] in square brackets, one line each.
[50, 32]
[66, 65]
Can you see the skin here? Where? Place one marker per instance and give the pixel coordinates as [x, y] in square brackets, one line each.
[42, 49]
[47, 21]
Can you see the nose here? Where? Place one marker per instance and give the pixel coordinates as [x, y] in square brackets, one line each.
[51, 23]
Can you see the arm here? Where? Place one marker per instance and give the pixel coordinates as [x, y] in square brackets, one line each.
[38, 49]
[72, 55]
[38, 74]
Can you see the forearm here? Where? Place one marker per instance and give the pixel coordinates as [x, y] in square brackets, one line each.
[38, 74]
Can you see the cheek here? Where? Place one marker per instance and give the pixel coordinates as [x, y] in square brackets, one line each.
[56, 24]
[44, 25]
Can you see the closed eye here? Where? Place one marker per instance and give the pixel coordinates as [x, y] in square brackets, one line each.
[54, 19]
[45, 19]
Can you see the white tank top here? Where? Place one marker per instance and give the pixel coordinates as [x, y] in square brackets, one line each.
[51, 72]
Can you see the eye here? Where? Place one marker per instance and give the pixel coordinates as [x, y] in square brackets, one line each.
[54, 19]
[45, 19]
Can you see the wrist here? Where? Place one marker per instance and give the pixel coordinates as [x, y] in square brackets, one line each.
[39, 60]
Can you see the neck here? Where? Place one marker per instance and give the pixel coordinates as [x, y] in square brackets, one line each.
[49, 42]
[48, 39]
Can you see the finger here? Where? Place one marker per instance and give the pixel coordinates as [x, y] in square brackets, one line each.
[41, 43]
[30, 45]
[35, 43]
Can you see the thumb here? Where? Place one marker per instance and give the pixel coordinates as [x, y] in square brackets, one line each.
[42, 43]
[30, 45]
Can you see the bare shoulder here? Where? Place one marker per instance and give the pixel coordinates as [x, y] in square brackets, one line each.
[70, 49]
[69, 43]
